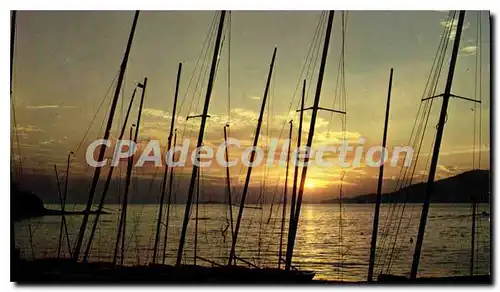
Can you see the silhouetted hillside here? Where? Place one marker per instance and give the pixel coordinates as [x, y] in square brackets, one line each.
[24, 204]
[461, 188]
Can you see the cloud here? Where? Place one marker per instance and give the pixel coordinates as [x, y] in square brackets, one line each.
[28, 128]
[35, 107]
[331, 137]
[444, 171]
[464, 151]
[452, 24]
[151, 112]
[468, 50]
[255, 97]
[46, 142]
[245, 113]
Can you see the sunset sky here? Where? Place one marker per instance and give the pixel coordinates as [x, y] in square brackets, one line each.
[65, 62]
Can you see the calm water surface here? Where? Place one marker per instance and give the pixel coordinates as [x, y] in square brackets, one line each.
[333, 240]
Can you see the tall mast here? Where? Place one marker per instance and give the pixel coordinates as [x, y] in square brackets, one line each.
[196, 217]
[107, 183]
[228, 183]
[284, 195]
[162, 197]
[13, 21]
[200, 138]
[122, 226]
[373, 246]
[169, 201]
[12, 44]
[97, 171]
[12, 48]
[293, 232]
[252, 157]
[296, 171]
[437, 145]
[123, 219]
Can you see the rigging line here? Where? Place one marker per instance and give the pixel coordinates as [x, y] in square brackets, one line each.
[443, 41]
[316, 40]
[315, 43]
[436, 59]
[134, 230]
[389, 254]
[405, 230]
[313, 48]
[274, 221]
[207, 36]
[439, 59]
[201, 72]
[197, 92]
[397, 210]
[209, 245]
[95, 115]
[433, 86]
[201, 77]
[206, 49]
[409, 183]
[340, 70]
[27, 223]
[263, 189]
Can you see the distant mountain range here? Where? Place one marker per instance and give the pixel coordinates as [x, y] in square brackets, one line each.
[462, 188]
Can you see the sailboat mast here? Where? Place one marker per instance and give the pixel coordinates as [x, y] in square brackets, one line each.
[12, 44]
[169, 144]
[123, 219]
[97, 171]
[285, 194]
[122, 226]
[376, 215]
[169, 201]
[252, 157]
[293, 232]
[296, 171]
[107, 183]
[437, 145]
[211, 78]
[228, 183]
[196, 217]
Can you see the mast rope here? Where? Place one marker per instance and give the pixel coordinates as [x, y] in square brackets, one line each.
[417, 135]
[106, 96]
[312, 54]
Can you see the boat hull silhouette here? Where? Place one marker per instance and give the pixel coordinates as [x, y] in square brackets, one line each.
[67, 270]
